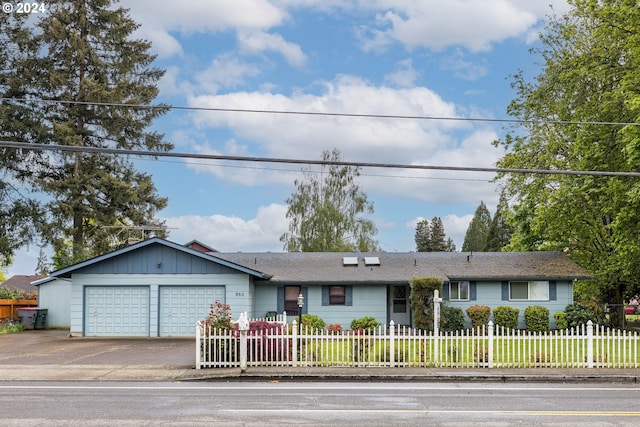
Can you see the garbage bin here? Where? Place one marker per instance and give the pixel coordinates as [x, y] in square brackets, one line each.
[41, 319]
[28, 317]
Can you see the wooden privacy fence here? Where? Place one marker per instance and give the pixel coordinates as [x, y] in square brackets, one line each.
[587, 346]
[9, 307]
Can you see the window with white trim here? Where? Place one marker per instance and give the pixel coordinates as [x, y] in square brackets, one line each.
[529, 291]
[459, 291]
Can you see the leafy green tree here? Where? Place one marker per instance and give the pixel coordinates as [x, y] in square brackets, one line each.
[499, 233]
[476, 237]
[325, 211]
[590, 79]
[88, 61]
[438, 236]
[423, 236]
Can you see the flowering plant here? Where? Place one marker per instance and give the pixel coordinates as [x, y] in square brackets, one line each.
[220, 316]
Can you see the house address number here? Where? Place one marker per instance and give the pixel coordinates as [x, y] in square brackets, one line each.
[239, 294]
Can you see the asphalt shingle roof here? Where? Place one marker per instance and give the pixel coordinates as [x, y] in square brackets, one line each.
[327, 267]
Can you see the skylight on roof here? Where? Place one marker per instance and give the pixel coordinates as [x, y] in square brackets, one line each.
[371, 260]
[350, 260]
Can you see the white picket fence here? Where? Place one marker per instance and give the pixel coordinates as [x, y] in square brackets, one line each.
[587, 346]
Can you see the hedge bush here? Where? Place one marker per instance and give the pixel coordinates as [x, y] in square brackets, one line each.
[452, 319]
[479, 315]
[536, 317]
[506, 316]
[312, 322]
[579, 313]
[365, 324]
[561, 320]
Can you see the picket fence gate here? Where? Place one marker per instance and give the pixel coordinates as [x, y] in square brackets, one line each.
[488, 346]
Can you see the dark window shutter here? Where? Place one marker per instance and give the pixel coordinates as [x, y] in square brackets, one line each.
[505, 291]
[348, 295]
[325, 295]
[305, 294]
[473, 294]
[445, 290]
[280, 302]
[552, 291]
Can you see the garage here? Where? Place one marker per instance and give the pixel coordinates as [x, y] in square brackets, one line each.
[116, 311]
[182, 306]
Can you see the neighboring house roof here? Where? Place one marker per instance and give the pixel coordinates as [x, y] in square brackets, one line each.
[400, 267]
[22, 282]
[199, 246]
[67, 271]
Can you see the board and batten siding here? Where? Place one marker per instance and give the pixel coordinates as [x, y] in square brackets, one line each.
[237, 292]
[491, 294]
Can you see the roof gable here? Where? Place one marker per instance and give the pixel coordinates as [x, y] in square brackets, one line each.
[156, 256]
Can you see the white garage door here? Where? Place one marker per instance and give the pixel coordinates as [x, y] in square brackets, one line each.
[182, 306]
[116, 311]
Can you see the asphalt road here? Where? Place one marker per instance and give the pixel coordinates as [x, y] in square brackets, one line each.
[297, 403]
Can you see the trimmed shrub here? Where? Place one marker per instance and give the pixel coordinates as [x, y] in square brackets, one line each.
[334, 327]
[561, 320]
[536, 317]
[365, 324]
[579, 313]
[506, 316]
[312, 322]
[452, 318]
[421, 297]
[479, 315]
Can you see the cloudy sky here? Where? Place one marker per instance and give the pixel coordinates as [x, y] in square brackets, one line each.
[432, 59]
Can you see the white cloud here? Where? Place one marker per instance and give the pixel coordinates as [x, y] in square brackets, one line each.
[404, 75]
[226, 71]
[434, 24]
[231, 233]
[376, 140]
[258, 42]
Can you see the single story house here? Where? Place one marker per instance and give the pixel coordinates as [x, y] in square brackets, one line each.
[160, 288]
[23, 283]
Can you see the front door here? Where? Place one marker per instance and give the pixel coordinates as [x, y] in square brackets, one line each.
[399, 307]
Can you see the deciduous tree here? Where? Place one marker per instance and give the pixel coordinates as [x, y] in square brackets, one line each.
[326, 211]
[589, 82]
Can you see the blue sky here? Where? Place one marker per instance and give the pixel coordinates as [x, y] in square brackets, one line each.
[385, 57]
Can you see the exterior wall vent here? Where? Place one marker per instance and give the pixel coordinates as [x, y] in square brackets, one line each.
[350, 261]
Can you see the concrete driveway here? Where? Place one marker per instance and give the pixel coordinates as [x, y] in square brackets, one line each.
[55, 347]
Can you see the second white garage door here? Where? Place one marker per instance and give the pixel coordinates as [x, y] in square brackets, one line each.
[182, 306]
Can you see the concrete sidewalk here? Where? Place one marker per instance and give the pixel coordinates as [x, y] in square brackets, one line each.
[50, 355]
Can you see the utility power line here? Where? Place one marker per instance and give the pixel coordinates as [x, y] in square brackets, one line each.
[99, 150]
[325, 114]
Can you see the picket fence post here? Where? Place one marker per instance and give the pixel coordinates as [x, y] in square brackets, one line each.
[294, 329]
[392, 344]
[243, 327]
[198, 346]
[490, 350]
[589, 344]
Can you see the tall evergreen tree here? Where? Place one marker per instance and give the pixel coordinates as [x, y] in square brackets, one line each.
[20, 211]
[432, 237]
[476, 237]
[325, 212]
[89, 63]
[589, 81]
[500, 231]
[437, 239]
[422, 236]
